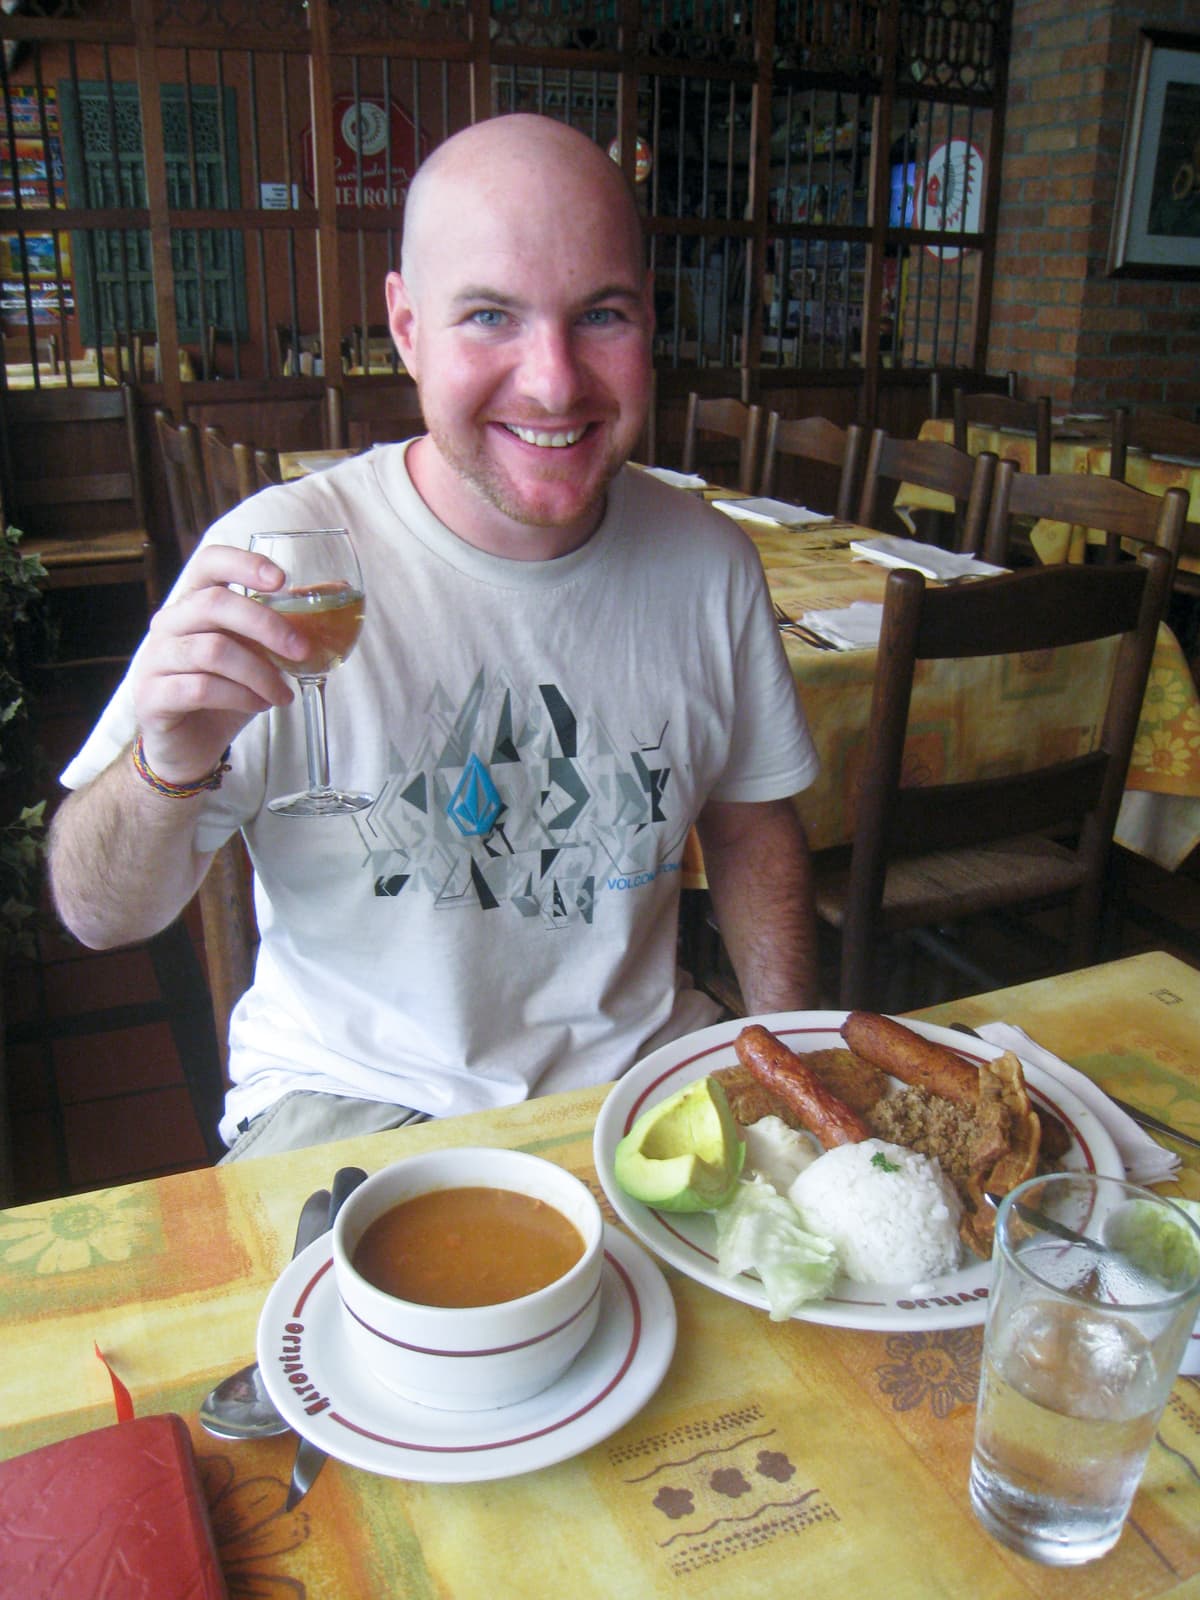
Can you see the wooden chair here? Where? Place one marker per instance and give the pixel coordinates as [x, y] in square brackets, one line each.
[999, 411]
[1155, 432]
[942, 385]
[75, 485]
[187, 487]
[1120, 511]
[931, 464]
[367, 411]
[727, 419]
[228, 470]
[930, 855]
[266, 469]
[816, 439]
[230, 927]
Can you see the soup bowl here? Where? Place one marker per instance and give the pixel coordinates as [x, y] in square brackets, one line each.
[470, 1357]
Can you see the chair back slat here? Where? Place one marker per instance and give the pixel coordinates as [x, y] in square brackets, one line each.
[728, 419]
[931, 464]
[1117, 509]
[1000, 411]
[229, 470]
[187, 488]
[818, 439]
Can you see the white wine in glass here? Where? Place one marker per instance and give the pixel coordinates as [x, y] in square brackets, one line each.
[323, 598]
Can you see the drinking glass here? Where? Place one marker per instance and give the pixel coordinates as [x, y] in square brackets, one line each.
[323, 598]
[1084, 1338]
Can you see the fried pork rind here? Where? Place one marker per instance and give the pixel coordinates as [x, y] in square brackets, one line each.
[854, 1081]
[1005, 1148]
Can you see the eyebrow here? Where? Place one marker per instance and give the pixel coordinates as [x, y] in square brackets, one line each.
[499, 297]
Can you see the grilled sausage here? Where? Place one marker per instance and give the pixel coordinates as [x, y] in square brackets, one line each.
[783, 1072]
[911, 1058]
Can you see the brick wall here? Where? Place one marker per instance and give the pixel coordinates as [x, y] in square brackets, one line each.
[1068, 328]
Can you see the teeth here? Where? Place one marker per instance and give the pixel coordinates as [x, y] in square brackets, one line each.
[547, 441]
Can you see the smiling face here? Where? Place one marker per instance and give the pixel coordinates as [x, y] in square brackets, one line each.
[523, 312]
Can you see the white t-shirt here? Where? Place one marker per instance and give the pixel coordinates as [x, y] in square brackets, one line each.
[539, 737]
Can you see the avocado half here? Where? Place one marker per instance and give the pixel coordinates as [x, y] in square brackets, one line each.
[684, 1154]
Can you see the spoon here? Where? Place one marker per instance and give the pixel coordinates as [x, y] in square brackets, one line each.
[240, 1407]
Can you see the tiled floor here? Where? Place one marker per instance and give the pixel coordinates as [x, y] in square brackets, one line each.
[111, 1058]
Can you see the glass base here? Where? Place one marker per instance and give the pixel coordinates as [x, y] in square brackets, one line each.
[320, 803]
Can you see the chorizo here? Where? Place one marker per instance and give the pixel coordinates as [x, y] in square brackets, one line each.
[784, 1073]
[914, 1060]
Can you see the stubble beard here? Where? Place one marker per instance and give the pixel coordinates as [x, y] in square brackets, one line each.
[492, 485]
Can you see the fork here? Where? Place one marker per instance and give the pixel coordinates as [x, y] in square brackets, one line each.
[789, 624]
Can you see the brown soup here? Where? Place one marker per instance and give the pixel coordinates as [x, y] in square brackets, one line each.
[467, 1247]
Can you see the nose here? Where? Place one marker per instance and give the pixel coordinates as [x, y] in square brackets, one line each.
[551, 372]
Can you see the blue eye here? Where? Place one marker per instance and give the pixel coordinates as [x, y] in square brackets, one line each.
[488, 319]
[600, 316]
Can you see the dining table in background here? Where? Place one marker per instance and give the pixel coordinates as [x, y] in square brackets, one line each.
[301, 463]
[1053, 698]
[774, 1458]
[1072, 449]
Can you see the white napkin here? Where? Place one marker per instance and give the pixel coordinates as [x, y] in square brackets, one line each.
[1145, 1161]
[852, 627]
[679, 480]
[889, 551]
[762, 509]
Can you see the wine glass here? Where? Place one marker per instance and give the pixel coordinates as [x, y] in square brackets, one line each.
[322, 597]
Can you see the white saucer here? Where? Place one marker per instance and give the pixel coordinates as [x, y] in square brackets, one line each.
[306, 1363]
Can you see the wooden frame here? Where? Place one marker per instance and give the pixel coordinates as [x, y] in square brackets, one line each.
[1156, 219]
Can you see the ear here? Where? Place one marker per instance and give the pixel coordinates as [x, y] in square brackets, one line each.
[402, 320]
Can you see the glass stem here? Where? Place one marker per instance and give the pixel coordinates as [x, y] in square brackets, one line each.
[316, 743]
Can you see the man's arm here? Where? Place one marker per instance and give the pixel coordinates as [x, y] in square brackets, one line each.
[122, 859]
[757, 864]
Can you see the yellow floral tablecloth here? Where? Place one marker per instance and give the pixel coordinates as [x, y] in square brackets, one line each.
[775, 1458]
[1055, 700]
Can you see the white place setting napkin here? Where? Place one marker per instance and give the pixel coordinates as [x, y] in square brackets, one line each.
[763, 509]
[678, 480]
[852, 627]
[1145, 1161]
[889, 551]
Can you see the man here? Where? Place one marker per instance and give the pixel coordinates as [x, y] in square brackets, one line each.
[565, 663]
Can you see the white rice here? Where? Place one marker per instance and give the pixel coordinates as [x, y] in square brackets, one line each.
[890, 1212]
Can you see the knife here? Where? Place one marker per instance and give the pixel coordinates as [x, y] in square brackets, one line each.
[309, 1457]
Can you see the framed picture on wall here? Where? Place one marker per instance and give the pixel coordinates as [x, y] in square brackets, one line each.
[1156, 219]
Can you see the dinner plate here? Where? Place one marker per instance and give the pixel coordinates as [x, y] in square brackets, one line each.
[687, 1241]
[325, 1394]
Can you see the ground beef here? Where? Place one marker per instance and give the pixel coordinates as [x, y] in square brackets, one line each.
[925, 1122]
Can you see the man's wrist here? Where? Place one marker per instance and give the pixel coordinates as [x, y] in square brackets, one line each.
[169, 788]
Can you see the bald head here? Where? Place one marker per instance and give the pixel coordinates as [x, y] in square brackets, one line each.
[484, 163]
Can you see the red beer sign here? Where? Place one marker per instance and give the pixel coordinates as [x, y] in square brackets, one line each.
[364, 135]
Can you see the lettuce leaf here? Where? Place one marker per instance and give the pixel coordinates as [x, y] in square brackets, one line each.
[760, 1231]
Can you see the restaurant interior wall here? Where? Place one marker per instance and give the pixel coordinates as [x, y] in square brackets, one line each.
[225, 212]
[1072, 330]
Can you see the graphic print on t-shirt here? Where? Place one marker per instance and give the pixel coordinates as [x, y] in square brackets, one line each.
[518, 799]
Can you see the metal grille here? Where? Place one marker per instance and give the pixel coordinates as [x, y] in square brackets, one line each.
[832, 36]
[555, 24]
[945, 45]
[698, 30]
[427, 20]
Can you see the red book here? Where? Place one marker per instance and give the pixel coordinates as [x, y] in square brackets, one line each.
[117, 1514]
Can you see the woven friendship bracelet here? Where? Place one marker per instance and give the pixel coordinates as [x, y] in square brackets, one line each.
[178, 791]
